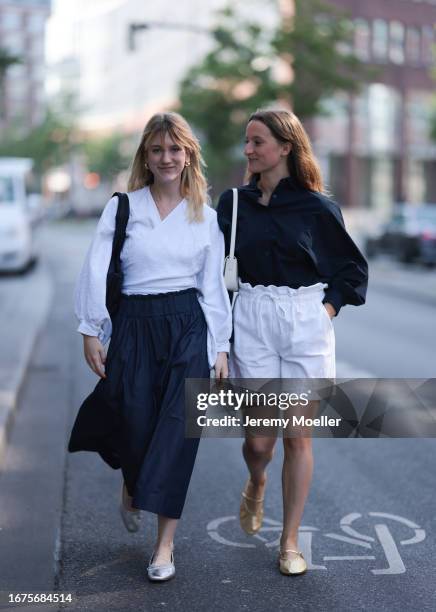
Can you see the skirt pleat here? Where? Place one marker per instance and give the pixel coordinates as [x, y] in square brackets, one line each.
[135, 417]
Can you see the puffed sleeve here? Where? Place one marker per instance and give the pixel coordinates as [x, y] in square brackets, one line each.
[224, 214]
[338, 260]
[213, 296]
[90, 292]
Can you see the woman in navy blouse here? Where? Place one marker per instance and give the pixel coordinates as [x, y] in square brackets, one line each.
[297, 267]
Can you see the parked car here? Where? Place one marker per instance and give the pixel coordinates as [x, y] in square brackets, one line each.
[409, 236]
[19, 215]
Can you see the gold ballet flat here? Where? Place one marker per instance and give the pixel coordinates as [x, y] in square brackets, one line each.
[294, 566]
[250, 521]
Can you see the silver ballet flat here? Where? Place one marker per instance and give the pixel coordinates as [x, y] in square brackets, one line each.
[160, 573]
[131, 518]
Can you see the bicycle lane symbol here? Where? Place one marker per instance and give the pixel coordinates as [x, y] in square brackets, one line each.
[383, 539]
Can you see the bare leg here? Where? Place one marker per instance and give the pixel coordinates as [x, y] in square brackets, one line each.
[296, 479]
[257, 452]
[127, 500]
[166, 529]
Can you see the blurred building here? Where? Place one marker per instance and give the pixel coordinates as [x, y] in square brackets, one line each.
[119, 86]
[122, 79]
[22, 34]
[375, 147]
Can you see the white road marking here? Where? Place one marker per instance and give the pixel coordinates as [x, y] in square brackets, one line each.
[396, 565]
[349, 558]
[392, 555]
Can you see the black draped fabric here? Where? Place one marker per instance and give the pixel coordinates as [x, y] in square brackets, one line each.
[135, 418]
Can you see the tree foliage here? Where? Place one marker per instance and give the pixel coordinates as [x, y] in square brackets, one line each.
[6, 60]
[49, 144]
[52, 142]
[298, 63]
[318, 44]
[107, 155]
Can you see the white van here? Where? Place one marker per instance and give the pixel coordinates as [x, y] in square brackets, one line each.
[19, 213]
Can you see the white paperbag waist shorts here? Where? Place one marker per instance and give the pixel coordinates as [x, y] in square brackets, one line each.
[281, 332]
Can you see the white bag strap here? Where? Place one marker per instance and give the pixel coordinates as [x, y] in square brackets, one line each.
[234, 221]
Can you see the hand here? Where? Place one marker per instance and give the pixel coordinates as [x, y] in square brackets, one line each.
[95, 354]
[330, 310]
[221, 367]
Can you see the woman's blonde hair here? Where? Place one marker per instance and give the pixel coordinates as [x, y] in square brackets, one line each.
[302, 163]
[193, 185]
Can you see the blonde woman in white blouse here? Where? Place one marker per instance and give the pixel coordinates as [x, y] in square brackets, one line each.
[174, 322]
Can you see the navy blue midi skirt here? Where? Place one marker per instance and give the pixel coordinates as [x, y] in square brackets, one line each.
[135, 417]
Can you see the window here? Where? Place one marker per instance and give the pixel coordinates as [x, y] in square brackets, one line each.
[427, 44]
[380, 40]
[37, 48]
[396, 46]
[17, 71]
[17, 88]
[35, 23]
[13, 42]
[10, 20]
[413, 45]
[361, 39]
[383, 118]
[6, 190]
[39, 73]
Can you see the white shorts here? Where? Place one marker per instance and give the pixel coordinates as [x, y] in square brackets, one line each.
[281, 332]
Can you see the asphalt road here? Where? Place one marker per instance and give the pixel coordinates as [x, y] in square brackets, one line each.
[368, 528]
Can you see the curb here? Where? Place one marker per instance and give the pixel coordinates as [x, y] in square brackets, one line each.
[24, 307]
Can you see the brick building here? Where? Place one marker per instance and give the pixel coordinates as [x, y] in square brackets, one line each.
[22, 34]
[379, 140]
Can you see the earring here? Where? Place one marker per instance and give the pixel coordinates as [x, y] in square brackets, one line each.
[187, 163]
[146, 166]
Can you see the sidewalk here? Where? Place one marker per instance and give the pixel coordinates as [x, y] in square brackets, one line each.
[24, 306]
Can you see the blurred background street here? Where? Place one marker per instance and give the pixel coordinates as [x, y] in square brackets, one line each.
[77, 84]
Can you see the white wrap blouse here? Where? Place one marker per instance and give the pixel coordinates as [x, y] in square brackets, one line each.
[158, 256]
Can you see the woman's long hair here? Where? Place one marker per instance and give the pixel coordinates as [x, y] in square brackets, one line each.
[193, 185]
[302, 163]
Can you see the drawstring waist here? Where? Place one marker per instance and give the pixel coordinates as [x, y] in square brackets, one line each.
[281, 293]
[282, 297]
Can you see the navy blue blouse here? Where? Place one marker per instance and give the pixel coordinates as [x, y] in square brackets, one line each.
[299, 239]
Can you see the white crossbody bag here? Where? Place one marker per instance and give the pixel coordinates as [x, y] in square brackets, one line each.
[231, 263]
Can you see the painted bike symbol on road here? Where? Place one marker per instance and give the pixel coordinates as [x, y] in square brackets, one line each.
[383, 540]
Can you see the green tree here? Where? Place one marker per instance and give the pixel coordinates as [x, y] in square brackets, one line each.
[6, 60]
[317, 43]
[300, 62]
[107, 156]
[49, 144]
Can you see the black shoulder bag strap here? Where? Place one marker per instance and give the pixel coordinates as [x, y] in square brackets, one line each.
[121, 219]
[114, 277]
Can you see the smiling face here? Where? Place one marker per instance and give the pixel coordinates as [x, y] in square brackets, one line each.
[263, 151]
[165, 158]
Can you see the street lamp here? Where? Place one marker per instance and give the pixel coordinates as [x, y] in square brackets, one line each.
[147, 25]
